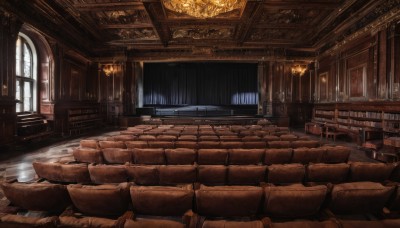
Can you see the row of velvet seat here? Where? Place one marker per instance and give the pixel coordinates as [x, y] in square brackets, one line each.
[197, 138]
[205, 206]
[198, 145]
[218, 174]
[184, 156]
[221, 133]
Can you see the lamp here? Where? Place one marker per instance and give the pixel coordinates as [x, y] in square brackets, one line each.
[109, 70]
[299, 70]
[203, 8]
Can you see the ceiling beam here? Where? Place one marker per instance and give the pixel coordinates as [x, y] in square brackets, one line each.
[134, 5]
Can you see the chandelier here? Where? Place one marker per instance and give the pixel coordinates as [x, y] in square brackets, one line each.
[299, 70]
[109, 69]
[203, 8]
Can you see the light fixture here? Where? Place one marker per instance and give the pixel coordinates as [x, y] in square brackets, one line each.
[203, 8]
[299, 70]
[109, 69]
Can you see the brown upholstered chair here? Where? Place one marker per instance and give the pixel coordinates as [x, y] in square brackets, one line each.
[88, 155]
[89, 143]
[212, 174]
[288, 137]
[367, 171]
[97, 206]
[212, 156]
[246, 174]
[161, 206]
[228, 201]
[177, 174]
[170, 133]
[293, 201]
[186, 144]
[327, 173]
[231, 145]
[161, 144]
[278, 156]
[105, 174]
[285, 174]
[394, 202]
[251, 138]
[136, 144]
[153, 156]
[239, 204]
[270, 138]
[169, 138]
[278, 144]
[305, 143]
[209, 144]
[117, 155]
[70, 173]
[143, 174]
[359, 198]
[124, 138]
[180, 156]
[336, 154]
[37, 196]
[229, 138]
[307, 155]
[147, 137]
[188, 137]
[112, 144]
[255, 145]
[245, 156]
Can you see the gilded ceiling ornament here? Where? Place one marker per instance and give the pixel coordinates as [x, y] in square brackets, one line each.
[203, 8]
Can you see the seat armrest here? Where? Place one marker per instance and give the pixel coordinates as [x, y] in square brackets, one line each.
[267, 223]
[127, 215]
[188, 218]
[69, 211]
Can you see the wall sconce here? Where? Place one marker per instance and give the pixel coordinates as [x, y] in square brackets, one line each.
[299, 70]
[109, 70]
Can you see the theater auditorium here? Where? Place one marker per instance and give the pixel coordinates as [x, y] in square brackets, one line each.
[200, 113]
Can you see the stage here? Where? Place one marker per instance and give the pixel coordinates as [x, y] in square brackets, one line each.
[199, 110]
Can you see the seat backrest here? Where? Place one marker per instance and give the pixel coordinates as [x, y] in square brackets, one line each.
[89, 143]
[161, 144]
[75, 173]
[285, 174]
[136, 144]
[180, 156]
[153, 156]
[186, 144]
[245, 156]
[307, 155]
[88, 155]
[246, 174]
[100, 200]
[117, 155]
[212, 156]
[336, 154]
[278, 156]
[124, 137]
[104, 174]
[162, 200]
[359, 197]
[228, 201]
[367, 171]
[208, 144]
[231, 145]
[177, 174]
[112, 144]
[212, 174]
[37, 196]
[143, 174]
[328, 173]
[294, 201]
[48, 170]
[305, 143]
[279, 144]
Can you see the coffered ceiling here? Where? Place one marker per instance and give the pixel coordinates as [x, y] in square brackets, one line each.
[146, 30]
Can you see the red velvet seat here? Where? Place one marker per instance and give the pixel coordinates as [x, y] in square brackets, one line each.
[212, 174]
[278, 156]
[143, 174]
[88, 155]
[285, 174]
[112, 144]
[180, 156]
[117, 155]
[104, 174]
[245, 156]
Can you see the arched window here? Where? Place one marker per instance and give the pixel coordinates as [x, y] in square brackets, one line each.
[25, 75]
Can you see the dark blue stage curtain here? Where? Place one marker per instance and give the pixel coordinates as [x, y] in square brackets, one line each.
[200, 84]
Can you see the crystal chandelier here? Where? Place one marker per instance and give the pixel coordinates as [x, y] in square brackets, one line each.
[203, 8]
